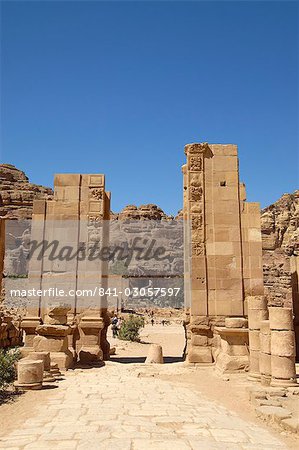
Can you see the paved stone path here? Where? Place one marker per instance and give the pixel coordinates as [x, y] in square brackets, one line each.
[113, 407]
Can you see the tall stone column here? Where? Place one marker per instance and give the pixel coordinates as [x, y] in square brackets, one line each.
[32, 318]
[294, 263]
[75, 221]
[93, 272]
[282, 347]
[194, 213]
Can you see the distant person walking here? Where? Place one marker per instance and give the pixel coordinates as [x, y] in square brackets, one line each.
[152, 322]
[118, 325]
[114, 323]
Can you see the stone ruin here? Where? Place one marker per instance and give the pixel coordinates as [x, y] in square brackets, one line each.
[223, 257]
[76, 216]
[223, 273]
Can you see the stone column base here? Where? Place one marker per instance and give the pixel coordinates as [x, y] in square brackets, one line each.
[234, 354]
[90, 329]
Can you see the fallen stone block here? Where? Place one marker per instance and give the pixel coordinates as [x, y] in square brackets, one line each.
[291, 424]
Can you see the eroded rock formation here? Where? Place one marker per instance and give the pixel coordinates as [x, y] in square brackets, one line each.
[17, 193]
[280, 235]
[148, 212]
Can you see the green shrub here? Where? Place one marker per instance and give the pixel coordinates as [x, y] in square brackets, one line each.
[8, 358]
[129, 329]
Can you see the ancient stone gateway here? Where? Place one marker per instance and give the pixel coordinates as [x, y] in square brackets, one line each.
[223, 279]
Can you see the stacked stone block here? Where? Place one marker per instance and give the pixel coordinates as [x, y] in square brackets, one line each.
[52, 337]
[233, 354]
[90, 330]
[265, 353]
[257, 311]
[283, 351]
[76, 218]
[294, 263]
[10, 332]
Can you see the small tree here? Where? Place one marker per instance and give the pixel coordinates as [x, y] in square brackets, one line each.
[129, 330]
[8, 359]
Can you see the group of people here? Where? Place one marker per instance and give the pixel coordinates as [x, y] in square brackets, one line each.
[163, 322]
[115, 325]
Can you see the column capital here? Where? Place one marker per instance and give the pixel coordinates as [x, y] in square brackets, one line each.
[198, 148]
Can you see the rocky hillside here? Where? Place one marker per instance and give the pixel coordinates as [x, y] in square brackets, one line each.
[17, 193]
[280, 235]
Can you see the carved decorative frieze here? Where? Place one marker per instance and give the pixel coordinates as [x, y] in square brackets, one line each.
[197, 248]
[195, 193]
[196, 221]
[191, 149]
[196, 179]
[195, 164]
[197, 235]
[95, 218]
[97, 193]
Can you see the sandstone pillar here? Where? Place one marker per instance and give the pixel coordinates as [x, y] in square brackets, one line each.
[77, 219]
[223, 246]
[29, 325]
[52, 336]
[283, 369]
[294, 263]
[257, 311]
[195, 257]
[90, 328]
[233, 355]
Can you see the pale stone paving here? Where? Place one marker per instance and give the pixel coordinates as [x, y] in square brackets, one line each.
[114, 408]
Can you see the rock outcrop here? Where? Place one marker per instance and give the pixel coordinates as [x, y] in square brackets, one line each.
[143, 212]
[17, 193]
[280, 236]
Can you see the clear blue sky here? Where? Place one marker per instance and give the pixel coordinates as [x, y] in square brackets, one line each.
[120, 87]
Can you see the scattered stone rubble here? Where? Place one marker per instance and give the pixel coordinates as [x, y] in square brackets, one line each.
[10, 332]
